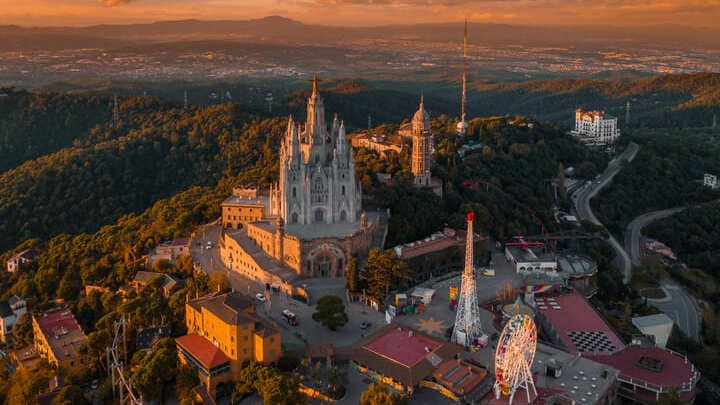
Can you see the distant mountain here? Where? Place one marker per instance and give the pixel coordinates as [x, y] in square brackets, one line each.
[276, 29]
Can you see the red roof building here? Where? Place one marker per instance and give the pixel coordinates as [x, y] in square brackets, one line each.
[203, 351]
[646, 372]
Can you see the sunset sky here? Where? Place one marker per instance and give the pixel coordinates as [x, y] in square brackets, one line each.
[365, 12]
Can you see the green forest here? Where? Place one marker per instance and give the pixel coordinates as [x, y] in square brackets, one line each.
[667, 172]
[96, 197]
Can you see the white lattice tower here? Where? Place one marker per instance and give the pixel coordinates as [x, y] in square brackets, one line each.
[467, 320]
[514, 357]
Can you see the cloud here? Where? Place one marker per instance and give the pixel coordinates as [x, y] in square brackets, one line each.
[113, 3]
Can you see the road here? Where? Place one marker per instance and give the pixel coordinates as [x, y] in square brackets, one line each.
[582, 196]
[632, 233]
[678, 304]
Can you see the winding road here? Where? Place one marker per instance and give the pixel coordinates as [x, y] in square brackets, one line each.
[677, 304]
[581, 199]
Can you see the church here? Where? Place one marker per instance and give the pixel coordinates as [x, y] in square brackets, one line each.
[311, 222]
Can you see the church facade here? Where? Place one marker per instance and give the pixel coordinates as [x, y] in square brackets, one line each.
[311, 222]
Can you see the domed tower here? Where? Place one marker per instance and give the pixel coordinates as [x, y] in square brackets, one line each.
[421, 146]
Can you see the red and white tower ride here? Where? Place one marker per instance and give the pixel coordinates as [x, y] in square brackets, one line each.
[467, 328]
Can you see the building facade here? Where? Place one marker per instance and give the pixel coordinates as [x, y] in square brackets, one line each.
[421, 147]
[311, 222]
[58, 337]
[10, 312]
[595, 128]
[223, 333]
[16, 262]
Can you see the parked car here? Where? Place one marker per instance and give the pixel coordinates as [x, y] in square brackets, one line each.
[260, 297]
[289, 317]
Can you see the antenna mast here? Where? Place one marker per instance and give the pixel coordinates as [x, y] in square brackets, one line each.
[462, 125]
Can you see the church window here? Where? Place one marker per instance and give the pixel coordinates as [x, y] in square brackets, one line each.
[343, 215]
[294, 218]
[294, 192]
[342, 190]
[319, 215]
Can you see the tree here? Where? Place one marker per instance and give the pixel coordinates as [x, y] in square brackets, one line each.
[384, 271]
[330, 311]
[155, 370]
[219, 282]
[185, 381]
[352, 275]
[70, 395]
[23, 331]
[380, 394]
[273, 386]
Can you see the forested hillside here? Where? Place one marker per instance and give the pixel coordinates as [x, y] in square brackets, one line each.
[116, 172]
[32, 125]
[667, 172]
[656, 102]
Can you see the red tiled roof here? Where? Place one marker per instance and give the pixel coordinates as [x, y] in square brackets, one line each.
[574, 315]
[202, 350]
[675, 370]
[401, 347]
[57, 321]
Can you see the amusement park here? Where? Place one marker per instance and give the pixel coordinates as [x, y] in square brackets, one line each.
[518, 331]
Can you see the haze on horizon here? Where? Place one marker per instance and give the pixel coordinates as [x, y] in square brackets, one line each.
[696, 13]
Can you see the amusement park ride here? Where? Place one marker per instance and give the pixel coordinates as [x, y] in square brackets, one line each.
[467, 328]
[514, 357]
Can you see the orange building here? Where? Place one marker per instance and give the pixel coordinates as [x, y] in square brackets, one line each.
[223, 333]
[58, 337]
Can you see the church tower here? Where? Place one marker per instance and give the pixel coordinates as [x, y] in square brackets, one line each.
[421, 146]
[317, 170]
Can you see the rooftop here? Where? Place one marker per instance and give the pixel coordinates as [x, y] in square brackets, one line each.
[575, 265]
[674, 369]
[434, 243]
[651, 320]
[582, 380]
[232, 308]
[263, 260]
[202, 350]
[578, 326]
[260, 201]
[402, 346]
[27, 254]
[530, 254]
[61, 330]
[400, 353]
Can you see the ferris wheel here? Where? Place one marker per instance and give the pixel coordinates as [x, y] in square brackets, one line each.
[514, 357]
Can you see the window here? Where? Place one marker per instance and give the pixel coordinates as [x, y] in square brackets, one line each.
[294, 218]
[294, 192]
[343, 216]
[319, 215]
[342, 191]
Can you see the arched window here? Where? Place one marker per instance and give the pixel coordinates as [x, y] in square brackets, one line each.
[319, 215]
[342, 190]
[343, 216]
[294, 192]
[294, 218]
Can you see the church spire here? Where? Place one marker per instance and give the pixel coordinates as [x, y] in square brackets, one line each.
[315, 81]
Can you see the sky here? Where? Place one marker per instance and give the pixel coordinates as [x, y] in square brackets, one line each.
[705, 13]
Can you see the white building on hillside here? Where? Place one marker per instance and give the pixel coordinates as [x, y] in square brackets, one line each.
[595, 128]
[710, 180]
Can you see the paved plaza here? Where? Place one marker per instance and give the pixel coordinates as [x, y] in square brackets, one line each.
[435, 321]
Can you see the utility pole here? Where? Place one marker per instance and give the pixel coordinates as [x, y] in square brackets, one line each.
[116, 112]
